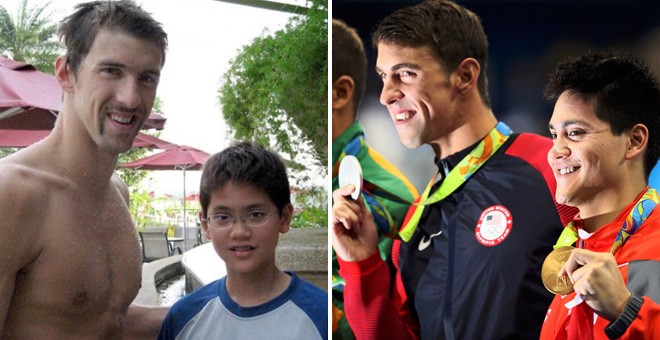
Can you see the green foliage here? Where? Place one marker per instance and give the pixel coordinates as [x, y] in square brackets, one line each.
[4, 152]
[140, 208]
[310, 217]
[313, 208]
[30, 36]
[144, 213]
[276, 90]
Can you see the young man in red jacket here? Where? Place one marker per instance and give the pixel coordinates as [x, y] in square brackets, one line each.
[606, 132]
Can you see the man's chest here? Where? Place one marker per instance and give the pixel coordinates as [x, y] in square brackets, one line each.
[90, 259]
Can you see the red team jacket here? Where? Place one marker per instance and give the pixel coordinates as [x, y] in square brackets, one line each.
[639, 262]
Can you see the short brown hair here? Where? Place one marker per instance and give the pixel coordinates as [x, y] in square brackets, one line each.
[451, 31]
[79, 29]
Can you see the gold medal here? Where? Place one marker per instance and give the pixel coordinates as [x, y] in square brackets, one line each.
[550, 271]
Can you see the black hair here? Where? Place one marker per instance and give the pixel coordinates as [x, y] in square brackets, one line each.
[623, 92]
[248, 164]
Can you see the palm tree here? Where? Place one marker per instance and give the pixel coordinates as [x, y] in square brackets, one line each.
[30, 36]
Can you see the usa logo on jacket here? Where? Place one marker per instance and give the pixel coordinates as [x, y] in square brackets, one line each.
[494, 225]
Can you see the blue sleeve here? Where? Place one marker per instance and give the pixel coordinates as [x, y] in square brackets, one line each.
[167, 331]
[186, 308]
[314, 301]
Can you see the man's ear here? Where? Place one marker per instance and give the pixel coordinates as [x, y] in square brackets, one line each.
[63, 74]
[287, 215]
[467, 75]
[342, 92]
[638, 139]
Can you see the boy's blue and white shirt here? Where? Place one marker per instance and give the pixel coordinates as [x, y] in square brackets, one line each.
[300, 312]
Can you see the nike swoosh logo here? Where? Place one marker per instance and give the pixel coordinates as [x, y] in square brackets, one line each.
[425, 243]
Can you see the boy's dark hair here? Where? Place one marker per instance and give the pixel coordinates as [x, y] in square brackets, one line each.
[452, 32]
[246, 164]
[349, 58]
[79, 30]
[623, 92]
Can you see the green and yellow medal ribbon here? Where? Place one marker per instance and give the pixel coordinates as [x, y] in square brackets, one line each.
[567, 237]
[631, 224]
[456, 177]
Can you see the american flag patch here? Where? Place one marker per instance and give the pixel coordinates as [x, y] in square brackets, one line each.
[494, 225]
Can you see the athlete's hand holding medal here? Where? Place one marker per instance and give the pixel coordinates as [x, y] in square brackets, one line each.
[354, 235]
[594, 276]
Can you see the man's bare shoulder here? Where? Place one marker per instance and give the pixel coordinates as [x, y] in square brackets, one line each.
[22, 181]
[25, 189]
[24, 197]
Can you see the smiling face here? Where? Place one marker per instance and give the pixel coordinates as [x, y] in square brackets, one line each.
[245, 249]
[586, 157]
[417, 93]
[114, 90]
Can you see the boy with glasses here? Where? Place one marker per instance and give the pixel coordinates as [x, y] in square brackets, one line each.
[246, 204]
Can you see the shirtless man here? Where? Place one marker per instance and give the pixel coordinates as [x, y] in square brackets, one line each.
[70, 262]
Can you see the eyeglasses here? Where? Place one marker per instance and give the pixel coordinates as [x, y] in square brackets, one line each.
[255, 218]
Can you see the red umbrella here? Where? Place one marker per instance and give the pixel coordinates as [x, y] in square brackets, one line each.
[180, 158]
[30, 99]
[21, 138]
[23, 89]
[25, 138]
[193, 197]
[143, 140]
[155, 121]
